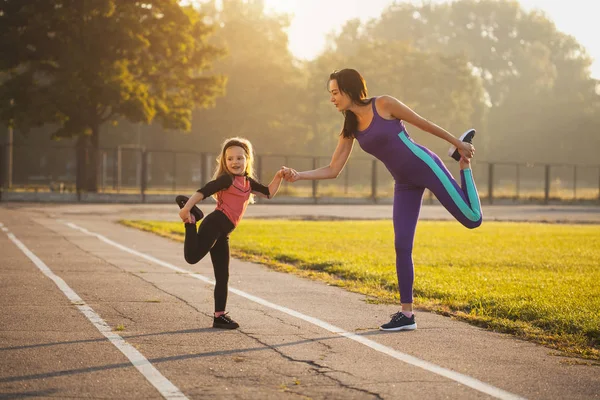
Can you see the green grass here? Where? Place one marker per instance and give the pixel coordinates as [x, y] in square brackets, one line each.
[537, 281]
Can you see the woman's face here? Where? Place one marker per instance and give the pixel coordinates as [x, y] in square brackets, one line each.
[340, 100]
[235, 159]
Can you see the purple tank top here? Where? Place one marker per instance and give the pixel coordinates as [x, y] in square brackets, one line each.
[381, 140]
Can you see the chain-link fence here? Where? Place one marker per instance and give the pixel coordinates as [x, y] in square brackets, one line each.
[136, 170]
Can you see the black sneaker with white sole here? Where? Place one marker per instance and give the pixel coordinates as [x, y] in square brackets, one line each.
[465, 137]
[195, 211]
[400, 322]
[224, 321]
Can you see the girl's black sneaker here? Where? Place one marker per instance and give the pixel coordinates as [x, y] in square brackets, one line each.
[195, 211]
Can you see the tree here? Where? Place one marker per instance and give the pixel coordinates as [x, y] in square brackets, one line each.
[440, 87]
[265, 85]
[77, 64]
[537, 79]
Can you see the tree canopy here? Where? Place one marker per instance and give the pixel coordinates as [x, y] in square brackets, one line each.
[76, 64]
[487, 64]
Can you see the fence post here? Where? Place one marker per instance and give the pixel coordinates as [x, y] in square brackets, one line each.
[518, 182]
[119, 169]
[491, 183]
[374, 181]
[115, 169]
[201, 183]
[546, 184]
[9, 148]
[285, 185]
[575, 182]
[203, 169]
[2, 171]
[144, 175]
[103, 172]
[174, 171]
[81, 170]
[346, 179]
[314, 182]
[2, 168]
[259, 164]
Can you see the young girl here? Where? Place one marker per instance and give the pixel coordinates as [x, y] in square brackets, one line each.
[233, 186]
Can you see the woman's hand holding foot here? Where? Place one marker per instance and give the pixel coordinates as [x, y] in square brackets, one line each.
[466, 150]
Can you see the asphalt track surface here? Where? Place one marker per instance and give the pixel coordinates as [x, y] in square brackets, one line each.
[93, 309]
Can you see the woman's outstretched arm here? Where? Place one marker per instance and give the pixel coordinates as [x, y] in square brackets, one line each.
[331, 171]
[394, 108]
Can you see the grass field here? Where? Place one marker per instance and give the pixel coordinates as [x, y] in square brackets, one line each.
[537, 281]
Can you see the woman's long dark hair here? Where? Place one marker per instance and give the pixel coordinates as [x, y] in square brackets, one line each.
[353, 84]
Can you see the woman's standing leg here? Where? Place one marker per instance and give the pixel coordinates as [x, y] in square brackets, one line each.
[407, 206]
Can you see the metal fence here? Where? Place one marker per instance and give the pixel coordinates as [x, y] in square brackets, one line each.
[134, 169]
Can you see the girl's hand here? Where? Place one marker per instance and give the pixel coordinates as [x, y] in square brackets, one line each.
[466, 150]
[285, 172]
[290, 174]
[184, 214]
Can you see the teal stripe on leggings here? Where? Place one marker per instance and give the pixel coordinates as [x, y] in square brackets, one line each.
[471, 191]
[471, 214]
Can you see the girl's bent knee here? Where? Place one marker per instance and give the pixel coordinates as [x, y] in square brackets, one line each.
[190, 259]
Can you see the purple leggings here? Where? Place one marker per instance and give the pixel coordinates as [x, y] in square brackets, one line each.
[427, 171]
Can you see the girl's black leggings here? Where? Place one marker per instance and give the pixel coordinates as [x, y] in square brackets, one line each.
[213, 236]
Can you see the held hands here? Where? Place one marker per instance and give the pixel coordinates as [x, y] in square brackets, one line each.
[289, 174]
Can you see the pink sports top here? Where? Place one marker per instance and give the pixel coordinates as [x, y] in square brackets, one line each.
[233, 194]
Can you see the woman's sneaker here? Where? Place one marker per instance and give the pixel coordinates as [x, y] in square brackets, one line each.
[195, 211]
[400, 322]
[223, 321]
[465, 137]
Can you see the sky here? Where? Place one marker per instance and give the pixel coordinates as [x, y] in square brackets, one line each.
[312, 20]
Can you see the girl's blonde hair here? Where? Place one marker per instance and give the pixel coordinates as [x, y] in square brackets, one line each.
[222, 163]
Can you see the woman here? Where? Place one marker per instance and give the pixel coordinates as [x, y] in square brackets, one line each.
[377, 124]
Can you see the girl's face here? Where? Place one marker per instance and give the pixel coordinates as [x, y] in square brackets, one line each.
[235, 160]
[340, 100]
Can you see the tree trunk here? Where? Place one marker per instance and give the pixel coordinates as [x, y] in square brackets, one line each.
[87, 162]
[93, 157]
[81, 159]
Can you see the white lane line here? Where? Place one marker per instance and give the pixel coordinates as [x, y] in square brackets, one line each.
[162, 384]
[417, 362]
